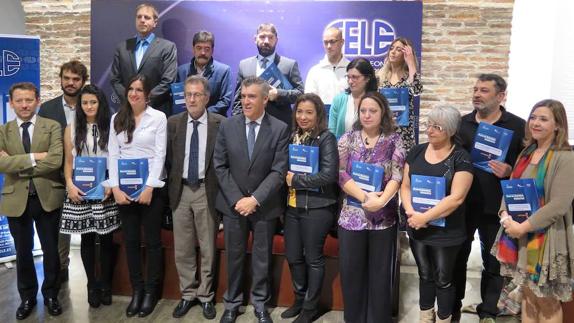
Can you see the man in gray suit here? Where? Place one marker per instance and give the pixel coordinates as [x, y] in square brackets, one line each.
[280, 99]
[192, 190]
[62, 109]
[250, 159]
[146, 54]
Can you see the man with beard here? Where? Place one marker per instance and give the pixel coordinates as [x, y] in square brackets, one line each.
[280, 100]
[73, 76]
[217, 74]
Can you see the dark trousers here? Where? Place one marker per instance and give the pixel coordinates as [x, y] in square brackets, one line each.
[22, 230]
[236, 230]
[365, 264]
[491, 282]
[106, 258]
[305, 233]
[133, 217]
[435, 266]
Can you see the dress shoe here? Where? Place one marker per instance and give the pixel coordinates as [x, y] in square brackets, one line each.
[229, 316]
[94, 297]
[135, 304]
[182, 308]
[306, 316]
[106, 296]
[148, 304]
[25, 309]
[53, 306]
[263, 317]
[64, 276]
[208, 310]
[292, 311]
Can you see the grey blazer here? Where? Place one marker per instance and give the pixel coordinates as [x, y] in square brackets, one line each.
[54, 109]
[263, 176]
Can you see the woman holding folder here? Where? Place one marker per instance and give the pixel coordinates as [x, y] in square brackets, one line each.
[437, 177]
[311, 206]
[538, 253]
[138, 131]
[371, 159]
[94, 219]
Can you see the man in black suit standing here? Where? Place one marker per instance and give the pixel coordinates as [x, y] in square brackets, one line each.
[192, 190]
[62, 109]
[146, 54]
[280, 99]
[250, 159]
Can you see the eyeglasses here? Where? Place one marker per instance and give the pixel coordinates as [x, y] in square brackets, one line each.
[331, 42]
[434, 126]
[195, 95]
[354, 77]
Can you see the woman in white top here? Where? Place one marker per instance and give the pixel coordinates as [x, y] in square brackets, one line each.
[87, 136]
[139, 131]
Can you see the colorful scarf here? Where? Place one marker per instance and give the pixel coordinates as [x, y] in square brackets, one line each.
[507, 246]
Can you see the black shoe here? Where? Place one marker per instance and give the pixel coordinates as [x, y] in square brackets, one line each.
[208, 310]
[263, 317]
[182, 308]
[148, 304]
[306, 316]
[292, 311]
[229, 316]
[53, 306]
[94, 297]
[106, 296]
[25, 309]
[64, 276]
[135, 304]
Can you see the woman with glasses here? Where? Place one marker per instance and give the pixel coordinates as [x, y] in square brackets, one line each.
[436, 230]
[400, 71]
[367, 222]
[343, 112]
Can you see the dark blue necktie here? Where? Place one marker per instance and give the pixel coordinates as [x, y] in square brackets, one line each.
[193, 165]
[251, 138]
[264, 63]
[27, 146]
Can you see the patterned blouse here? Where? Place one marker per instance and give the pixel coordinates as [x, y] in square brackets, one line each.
[388, 153]
[415, 88]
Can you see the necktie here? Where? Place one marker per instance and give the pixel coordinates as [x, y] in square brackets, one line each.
[140, 51]
[95, 138]
[251, 138]
[264, 63]
[192, 171]
[27, 145]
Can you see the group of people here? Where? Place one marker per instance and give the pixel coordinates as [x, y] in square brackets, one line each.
[203, 164]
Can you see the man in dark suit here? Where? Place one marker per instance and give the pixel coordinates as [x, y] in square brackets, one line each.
[146, 54]
[250, 159]
[192, 190]
[30, 157]
[280, 99]
[217, 73]
[62, 109]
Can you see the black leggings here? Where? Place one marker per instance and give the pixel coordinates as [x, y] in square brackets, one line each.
[436, 269]
[106, 259]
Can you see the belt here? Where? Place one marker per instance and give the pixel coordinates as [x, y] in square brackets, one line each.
[185, 182]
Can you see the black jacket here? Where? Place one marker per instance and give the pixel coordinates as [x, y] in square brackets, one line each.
[325, 180]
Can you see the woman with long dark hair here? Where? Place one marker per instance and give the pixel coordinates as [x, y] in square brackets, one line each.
[87, 136]
[139, 131]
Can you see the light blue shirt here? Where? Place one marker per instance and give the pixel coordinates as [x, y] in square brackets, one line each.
[142, 45]
[270, 60]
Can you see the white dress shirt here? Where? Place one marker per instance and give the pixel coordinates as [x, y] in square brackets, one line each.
[327, 80]
[69, 111]
[149, 141]
[258, 121]
[19, 122]
[270, 60]
[202, 132]
[351, 113]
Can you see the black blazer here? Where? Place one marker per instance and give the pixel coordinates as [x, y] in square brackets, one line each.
[54, 109]
[159, 65]
[176, 132]
[263, 176]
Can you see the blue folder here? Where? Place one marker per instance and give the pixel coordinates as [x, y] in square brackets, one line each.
[520, 197]
[303, 159]
[426, 192]
[178, 97]
[490, 143]
[398, 98]
[132, 174]
[368, 177]
[275, 78]
[88, 175]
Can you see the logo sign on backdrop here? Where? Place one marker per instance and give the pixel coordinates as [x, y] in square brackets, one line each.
[368, 27]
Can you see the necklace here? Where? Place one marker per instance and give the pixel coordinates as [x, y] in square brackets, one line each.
[366, 139]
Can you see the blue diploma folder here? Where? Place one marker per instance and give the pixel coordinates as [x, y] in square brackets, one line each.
[399, 103]
[303, 159]
[132, 174]
[520, 197]
[426, 192]
[368, 177]
[178, 96]
[490, 143]
[275, 78]
[88, 175]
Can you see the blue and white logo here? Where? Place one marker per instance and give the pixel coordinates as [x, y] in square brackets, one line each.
[10, 63]
[363, 39]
